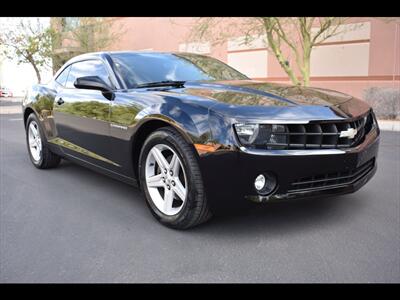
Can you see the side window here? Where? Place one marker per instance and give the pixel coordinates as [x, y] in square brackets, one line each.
[87, 68]
[62, 78]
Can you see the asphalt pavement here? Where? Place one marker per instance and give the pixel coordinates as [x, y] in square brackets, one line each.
[71, 224]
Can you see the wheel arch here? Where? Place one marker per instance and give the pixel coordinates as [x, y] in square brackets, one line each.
[145, 128]
[27, 112]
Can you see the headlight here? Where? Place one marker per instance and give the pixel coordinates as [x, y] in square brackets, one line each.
[247, 133]
[270, 136]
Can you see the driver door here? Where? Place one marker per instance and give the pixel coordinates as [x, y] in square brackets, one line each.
[82, 116]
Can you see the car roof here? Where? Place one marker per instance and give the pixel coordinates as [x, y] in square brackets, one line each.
[102, 53]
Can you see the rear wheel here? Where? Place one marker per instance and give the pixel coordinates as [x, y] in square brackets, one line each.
[39, 153]
[171, 181]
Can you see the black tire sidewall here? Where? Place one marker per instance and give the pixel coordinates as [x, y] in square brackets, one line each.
[162, 137]
[32, 117]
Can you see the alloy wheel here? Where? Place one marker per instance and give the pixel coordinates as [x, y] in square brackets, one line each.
[166, 179]
[35, 142]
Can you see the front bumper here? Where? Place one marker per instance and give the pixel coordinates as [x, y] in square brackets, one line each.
[229, 175]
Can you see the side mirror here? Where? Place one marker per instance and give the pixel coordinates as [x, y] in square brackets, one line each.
[94, 83]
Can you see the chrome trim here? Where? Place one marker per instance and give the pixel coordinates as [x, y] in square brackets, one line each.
[118, 126]
[283, 122]
[349, 133]
[370, 138]
[271, 121]
[292, 152]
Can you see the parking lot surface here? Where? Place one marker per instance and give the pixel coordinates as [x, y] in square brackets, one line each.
[73, 225]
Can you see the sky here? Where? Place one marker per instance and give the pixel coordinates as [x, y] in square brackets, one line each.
[19, 77]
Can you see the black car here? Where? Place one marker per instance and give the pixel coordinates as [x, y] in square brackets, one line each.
[196, 135]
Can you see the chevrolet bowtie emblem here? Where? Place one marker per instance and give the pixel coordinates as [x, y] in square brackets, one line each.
[349, 133]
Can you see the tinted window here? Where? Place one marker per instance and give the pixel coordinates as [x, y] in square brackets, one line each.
[140, 68]
[87, 68]
[62, 78]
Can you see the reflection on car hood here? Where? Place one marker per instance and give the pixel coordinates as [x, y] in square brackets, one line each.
[247, 92]
[256, 100]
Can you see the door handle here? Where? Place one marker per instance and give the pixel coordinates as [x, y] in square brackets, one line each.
[60, 101]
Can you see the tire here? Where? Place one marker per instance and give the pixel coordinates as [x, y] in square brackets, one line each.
[46, 158]
[194, 209]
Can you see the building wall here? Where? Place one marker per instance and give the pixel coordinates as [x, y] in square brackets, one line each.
[366, 55]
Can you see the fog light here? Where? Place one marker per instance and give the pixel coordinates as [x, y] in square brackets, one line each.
[265, 183]
[259, 183]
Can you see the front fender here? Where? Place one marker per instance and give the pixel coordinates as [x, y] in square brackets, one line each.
[191, 122]
[194, 128]
[40, 99]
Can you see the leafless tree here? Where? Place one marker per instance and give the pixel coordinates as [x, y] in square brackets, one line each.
[28, 41]
[286, 37]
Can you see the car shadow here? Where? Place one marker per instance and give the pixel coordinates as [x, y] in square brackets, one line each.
[287, 217]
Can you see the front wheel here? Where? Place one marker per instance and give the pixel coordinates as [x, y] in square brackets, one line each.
[171, 181]
[39, 153]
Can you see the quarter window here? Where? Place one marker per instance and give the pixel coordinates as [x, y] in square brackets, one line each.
[87, 68]
[62, 78]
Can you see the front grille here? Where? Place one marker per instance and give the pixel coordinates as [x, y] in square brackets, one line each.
[332, 180]
[316, 135]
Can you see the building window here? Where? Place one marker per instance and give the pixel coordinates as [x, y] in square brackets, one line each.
[340, 60]
[345, 54]
[247, 43]
[69, 23]
[198, 48]
[254, 64]
[249, 56]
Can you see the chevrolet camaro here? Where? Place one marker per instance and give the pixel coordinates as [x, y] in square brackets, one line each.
[197, 136]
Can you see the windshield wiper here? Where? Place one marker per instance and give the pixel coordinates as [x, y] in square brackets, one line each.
[162, 83]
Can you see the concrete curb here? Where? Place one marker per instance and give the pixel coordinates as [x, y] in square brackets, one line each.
[11, 99]
[5, 110]
[389, 125]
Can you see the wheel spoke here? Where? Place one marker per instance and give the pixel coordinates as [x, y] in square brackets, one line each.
[179, 189]
[32, 142]
[155, 181]
[39, 144]
[159, 157]
[34, 129]
[168, 200]
[174, 164]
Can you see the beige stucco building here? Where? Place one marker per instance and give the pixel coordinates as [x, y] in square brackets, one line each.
[366, 56]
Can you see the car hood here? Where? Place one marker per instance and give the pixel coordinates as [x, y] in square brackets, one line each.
[250, 99]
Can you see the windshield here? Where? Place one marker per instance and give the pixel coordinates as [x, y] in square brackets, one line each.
[141, 68]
